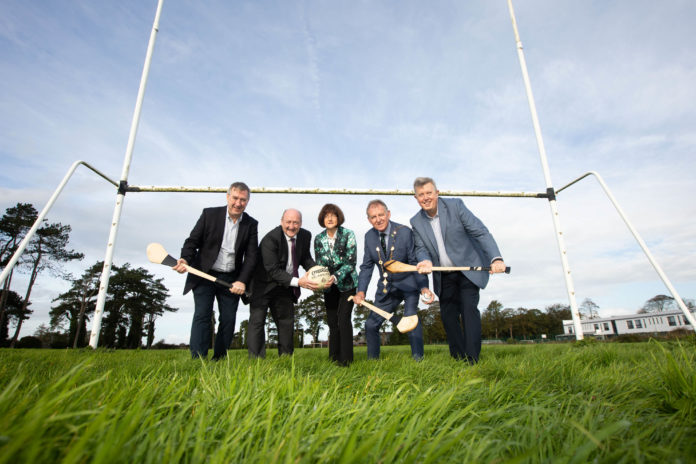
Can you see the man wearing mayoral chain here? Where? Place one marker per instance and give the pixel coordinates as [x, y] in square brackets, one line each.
[389, 240]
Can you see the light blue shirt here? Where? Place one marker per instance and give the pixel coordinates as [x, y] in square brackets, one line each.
[445, 260]
[225, 258]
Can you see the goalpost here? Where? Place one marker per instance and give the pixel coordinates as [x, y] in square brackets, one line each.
[123, 188]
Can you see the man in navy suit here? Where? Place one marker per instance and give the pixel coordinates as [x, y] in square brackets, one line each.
[389, 240]
[277, 283]
[224, 244]
[447, 234]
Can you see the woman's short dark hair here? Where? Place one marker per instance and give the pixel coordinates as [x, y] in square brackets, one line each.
[330, 208]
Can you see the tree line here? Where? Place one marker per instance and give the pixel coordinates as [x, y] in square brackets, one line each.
[135, 298]
[496, 322]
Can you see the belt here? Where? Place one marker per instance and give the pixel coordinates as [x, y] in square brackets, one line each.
[217, 273]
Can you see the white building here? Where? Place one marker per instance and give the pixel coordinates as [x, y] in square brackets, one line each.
[650, 323]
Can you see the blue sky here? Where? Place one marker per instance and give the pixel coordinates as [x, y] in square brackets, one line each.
[357, 94]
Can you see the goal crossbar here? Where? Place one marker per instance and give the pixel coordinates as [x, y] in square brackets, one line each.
[334, 191]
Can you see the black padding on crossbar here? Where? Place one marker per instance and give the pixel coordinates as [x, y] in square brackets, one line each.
[551, 194]
[123, 187]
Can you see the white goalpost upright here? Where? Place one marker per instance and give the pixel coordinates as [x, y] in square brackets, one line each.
[113, 232]
[549, 186]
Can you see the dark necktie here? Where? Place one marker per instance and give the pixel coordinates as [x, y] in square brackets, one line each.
[383, 242]
[295, 266]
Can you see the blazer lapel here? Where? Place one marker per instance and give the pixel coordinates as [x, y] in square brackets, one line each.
[444, 218]
[374, 244]
[241, 232]
[220, 227]
[425, 226]
[283, 247]
[389, 239]
[299, 247]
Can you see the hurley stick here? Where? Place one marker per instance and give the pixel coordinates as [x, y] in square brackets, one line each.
[394, 266]
[158, 255]
[403, 324]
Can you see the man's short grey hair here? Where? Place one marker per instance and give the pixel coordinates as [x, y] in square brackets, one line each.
[241, 186]
[421, 181]
[375, 203]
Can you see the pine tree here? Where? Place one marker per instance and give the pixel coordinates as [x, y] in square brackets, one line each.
[14, 225]
[46, 251]
[77, 303]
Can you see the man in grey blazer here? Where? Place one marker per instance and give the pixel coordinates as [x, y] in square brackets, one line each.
[224, 244]
[447, 234]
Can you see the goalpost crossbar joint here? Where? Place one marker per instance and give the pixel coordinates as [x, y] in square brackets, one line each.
[39, 219]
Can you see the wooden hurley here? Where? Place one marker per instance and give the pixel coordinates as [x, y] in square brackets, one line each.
[158, 255]
[403, 324]
[394, 267]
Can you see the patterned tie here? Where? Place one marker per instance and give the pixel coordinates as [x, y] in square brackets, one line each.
[295, 266]
[383, 242]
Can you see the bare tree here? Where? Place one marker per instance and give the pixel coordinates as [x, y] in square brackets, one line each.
[658, 304]
[589, 309]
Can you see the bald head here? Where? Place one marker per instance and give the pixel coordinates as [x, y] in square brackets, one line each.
[290, 222]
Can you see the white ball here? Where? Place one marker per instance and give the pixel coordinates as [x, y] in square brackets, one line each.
[319, 275]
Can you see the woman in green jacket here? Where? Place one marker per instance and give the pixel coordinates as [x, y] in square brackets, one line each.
[336, 249]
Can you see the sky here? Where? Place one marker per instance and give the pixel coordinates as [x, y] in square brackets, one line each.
[362, 95]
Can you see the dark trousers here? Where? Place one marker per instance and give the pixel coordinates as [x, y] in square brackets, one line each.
[461, 318]
[281, 303]
[204, 295]
[389, 302]
[338, 316]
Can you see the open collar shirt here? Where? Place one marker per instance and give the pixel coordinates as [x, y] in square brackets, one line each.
[437, 231]
[225, 258]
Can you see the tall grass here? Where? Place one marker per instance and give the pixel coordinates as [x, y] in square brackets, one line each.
[542, 403]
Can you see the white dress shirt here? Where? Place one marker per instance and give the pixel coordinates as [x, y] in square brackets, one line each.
[225, 258]
[445, 260]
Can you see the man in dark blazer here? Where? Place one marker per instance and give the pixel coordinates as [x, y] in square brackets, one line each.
[224, 244]
[277, 283]
[389, 240]
[447, 234]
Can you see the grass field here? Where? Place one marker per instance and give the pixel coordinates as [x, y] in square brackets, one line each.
[543, 403]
